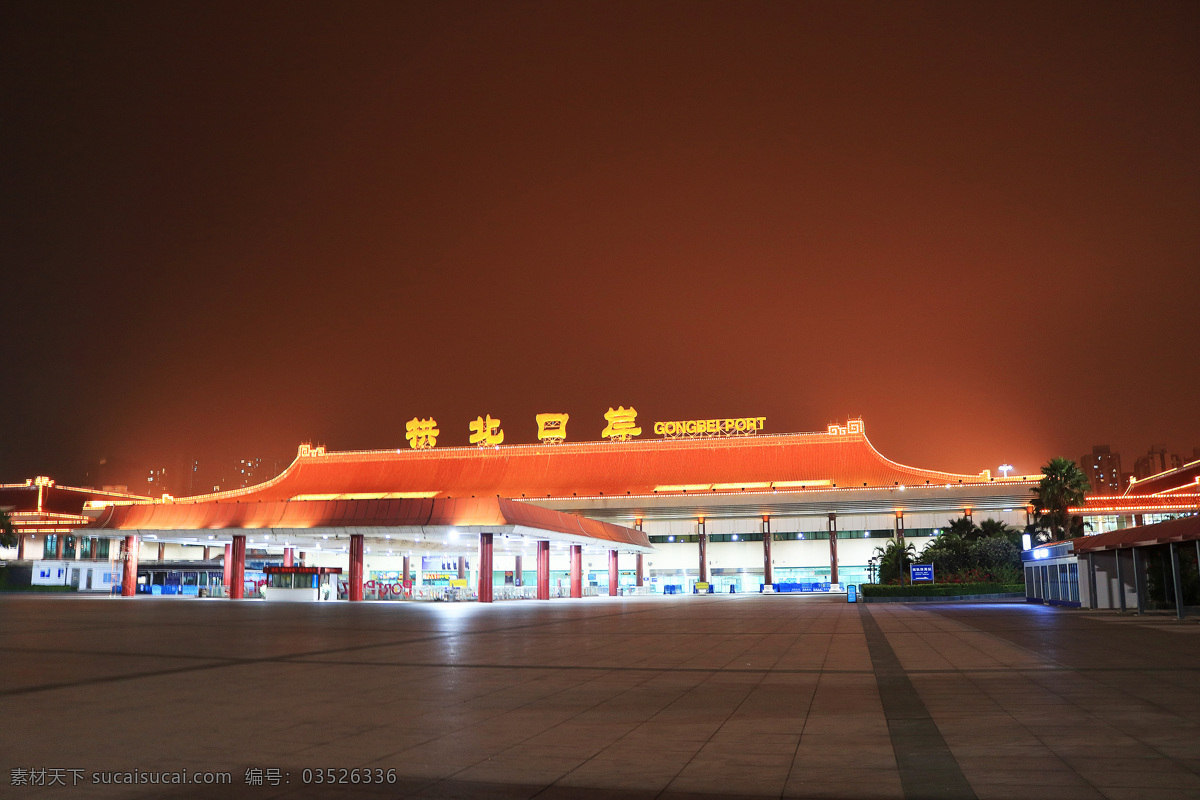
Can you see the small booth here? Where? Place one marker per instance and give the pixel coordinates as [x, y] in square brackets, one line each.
[300, 584]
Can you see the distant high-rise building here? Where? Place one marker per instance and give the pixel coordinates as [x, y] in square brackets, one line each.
[1103, 470]
[1156, 461]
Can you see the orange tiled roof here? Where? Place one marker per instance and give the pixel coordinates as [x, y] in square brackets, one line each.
[595, 468]
[308, 514]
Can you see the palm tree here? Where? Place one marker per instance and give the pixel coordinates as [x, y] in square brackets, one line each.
[963, 526]
[1063, 485]
[8, 534]
[894, 560]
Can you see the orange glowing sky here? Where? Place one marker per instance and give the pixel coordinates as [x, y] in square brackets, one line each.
[228, 228]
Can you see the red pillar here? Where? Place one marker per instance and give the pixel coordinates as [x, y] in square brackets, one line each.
[227, 567]
[518, 580]
[640, 571]
[576, 570]
[162, 551]
[833, 576]
[543, 570]
[407, 576]
[703, 537]
[485, 567]
[21, 546]
[768, 577]
[614, 574]
[129, 567]
[356, 566]
[236, 568]
[95, 549]
[287, 556]
[207, 553]
[58, 545]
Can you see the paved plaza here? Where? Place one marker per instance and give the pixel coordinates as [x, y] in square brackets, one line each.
[649, 697]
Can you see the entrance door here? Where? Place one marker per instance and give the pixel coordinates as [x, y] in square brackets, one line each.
[74, 579]
[89, 579]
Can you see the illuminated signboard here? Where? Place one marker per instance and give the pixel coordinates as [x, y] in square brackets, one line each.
[486, 432]
[742, 426]
[621, 424]
[552, 427]
[421, 433]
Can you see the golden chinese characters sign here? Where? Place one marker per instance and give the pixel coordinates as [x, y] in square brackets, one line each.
[742, 426]
[552, 427]
[621, 427]
[486, 432]
[421, 433]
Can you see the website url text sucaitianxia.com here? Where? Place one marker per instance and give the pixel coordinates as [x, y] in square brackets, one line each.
[64, 776]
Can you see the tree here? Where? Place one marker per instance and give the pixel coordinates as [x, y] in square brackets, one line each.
[8, 534]
[894, 561]
[995, 529]
[949, 553]
[1063, 485]
[963, 526]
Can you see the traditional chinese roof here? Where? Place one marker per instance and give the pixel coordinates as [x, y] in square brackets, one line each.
[401, 515]
[1184, 529]
[1181, 479]
[791, 462]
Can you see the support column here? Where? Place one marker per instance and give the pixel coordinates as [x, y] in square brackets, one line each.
[462, 568]
[768, 573]
[1137, 580]
[543, 570]
[207, 553]
[129, 557]
[95, 549]
[518, 571]
[355, 591]
[162, 551]
[485, 568]
[227, 567]
[21, 546]
[703, 537]
[407, 574]
[833, 557]
[576, 570]
[1120, 581]
[236, 571]
[1093, 601]
[1177, 579]
[58, 545]
[288, 556]
[303, 559]
[640, 572]
[614, 574]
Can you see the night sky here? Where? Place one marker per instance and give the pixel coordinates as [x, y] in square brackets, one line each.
[229, 228]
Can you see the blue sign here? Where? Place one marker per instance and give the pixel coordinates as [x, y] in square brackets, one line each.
[922, 573]
[852, 593]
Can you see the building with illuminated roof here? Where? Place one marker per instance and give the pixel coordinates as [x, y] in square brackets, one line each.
[731, 511]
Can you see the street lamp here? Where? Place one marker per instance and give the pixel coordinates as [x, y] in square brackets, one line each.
[871, 568]
[1006, 468]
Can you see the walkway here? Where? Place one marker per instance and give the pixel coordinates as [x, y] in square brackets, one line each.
[659, 697]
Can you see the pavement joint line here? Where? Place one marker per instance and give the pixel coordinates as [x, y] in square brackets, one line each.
[920, 748]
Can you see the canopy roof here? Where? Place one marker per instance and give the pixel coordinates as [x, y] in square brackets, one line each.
[662, 466]
[1184, 529]
[304, 520]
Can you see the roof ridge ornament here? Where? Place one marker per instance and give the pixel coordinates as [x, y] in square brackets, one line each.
[853, 427]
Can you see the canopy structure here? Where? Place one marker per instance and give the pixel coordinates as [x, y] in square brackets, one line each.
[1184, 529]
[411, 523]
